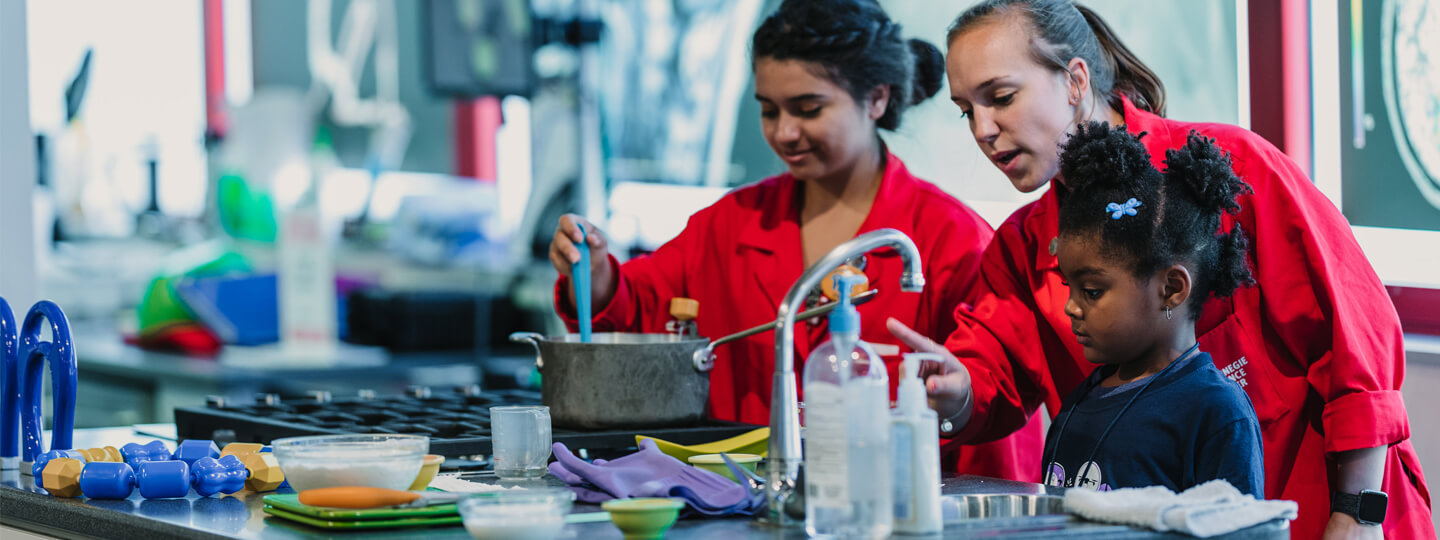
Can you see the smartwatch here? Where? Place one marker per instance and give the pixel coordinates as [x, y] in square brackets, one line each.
[1367, 507]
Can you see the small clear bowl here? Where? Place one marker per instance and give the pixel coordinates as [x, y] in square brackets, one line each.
[371, 460]
[537, 514]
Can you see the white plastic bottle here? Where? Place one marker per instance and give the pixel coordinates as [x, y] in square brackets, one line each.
[306, 274]
[847, 433]
[915, 432]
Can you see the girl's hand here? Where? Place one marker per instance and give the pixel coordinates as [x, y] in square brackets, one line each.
[563, 253]
[1342, 526]
[947, 383]
[563, 250]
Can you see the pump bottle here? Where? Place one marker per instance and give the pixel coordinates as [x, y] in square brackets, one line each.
[915, 432]
[847, 432]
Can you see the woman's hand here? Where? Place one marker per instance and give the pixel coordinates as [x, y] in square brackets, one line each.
[564, 253]
[1342, 526]
[947, 383]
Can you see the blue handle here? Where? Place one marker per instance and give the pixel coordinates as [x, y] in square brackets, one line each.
[34, 354]
[9, 384]
[580, 274]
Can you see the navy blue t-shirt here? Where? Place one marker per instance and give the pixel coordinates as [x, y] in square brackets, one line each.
[1190, 426]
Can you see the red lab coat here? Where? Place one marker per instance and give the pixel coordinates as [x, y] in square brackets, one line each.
[1316, 344]
[740, 256]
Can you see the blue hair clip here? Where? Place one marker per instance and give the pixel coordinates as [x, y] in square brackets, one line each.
[1117, 210]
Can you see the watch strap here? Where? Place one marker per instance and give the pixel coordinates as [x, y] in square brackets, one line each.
[1368, 507]
[1345, 503]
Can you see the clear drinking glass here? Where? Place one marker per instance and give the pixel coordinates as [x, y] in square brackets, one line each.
[520, 436]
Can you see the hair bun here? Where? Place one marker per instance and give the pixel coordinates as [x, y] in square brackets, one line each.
[1231, 268]
[929, 70]
[1097, 154]
[1206, 173]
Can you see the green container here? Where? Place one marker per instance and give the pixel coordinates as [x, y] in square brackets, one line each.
[643, 519]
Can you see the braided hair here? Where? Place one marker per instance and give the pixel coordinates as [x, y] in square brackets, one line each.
[857, 46]
[1176, 214]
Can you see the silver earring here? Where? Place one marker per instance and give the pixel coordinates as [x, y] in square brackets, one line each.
[1168, 314]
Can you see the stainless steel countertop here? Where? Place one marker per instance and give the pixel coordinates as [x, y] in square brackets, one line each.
[240, 516]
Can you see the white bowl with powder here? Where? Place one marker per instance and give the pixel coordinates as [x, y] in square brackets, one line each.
[516, 515]
[371, 460]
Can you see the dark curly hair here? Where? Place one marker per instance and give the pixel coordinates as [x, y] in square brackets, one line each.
[859, 48]
[1178, 218]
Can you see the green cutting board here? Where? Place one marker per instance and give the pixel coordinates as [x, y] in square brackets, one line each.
[290, 502]
[288, 506]
[453, 519]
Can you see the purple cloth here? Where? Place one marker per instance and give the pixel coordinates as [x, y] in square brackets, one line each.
[651, 473]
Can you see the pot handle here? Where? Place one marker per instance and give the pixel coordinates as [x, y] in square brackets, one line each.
[534, 340]
[704, 358]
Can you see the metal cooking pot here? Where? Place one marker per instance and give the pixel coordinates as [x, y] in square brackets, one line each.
[621, 379]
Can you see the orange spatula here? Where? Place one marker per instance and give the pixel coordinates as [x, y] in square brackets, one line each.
[372, 497]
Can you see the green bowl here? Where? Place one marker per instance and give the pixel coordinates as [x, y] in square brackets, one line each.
[716, 464]
[643, 519]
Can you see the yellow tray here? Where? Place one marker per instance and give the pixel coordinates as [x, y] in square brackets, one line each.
[754, 442]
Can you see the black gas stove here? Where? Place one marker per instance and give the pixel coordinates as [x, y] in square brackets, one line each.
[456, 420]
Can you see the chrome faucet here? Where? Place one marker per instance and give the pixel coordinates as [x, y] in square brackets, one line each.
[785, 456]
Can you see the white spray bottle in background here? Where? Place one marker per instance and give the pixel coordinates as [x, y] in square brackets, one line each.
[847, 431]
[308, 323]
[916, 438]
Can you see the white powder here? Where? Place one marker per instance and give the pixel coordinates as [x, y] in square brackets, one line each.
[331, 467]
[456, 485]
[520, 522]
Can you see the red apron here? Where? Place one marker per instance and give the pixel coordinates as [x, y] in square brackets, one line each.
[740, 256]
[1316, 343]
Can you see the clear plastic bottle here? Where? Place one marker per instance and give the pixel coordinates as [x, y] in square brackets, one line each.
[847, 433]
[916, 455]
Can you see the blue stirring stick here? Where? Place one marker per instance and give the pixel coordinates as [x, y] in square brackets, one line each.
[580, 274]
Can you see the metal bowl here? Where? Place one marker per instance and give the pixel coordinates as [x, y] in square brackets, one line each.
[1008, 506]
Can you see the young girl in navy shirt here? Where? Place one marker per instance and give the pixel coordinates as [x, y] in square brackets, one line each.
[1141, 251]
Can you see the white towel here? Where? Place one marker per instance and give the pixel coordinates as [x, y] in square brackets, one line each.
[1208, 509]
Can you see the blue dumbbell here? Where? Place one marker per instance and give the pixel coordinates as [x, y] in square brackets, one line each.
[163, 479]
[107, 480]
[225, 475]
[152, 451]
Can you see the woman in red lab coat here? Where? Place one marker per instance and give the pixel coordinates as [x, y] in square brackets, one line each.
[1316, 343]
[828, 74]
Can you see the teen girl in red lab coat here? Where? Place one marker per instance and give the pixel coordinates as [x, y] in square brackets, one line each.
[827, 75]
[1316, 344]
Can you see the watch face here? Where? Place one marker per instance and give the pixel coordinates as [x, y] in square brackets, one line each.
[1372, 506]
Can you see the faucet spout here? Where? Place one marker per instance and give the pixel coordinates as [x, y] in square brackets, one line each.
[785, 454]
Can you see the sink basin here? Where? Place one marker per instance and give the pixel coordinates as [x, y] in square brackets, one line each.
[1002, 506]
